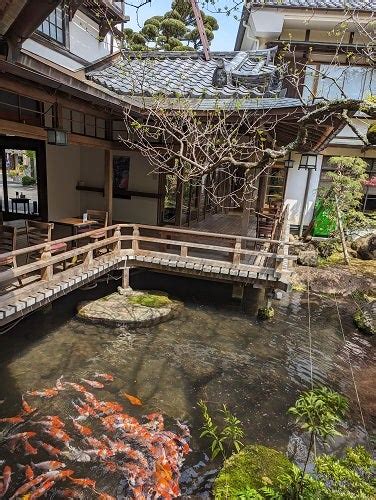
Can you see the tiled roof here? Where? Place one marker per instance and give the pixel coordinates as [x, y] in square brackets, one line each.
[367, 5]
[187, 74]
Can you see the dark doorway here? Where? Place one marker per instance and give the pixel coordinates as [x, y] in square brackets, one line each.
[23, 183]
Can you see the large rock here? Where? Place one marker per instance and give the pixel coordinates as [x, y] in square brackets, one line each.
[308, 258]
[253, 467]
[365, 247]
[365, 319]
[130, 308]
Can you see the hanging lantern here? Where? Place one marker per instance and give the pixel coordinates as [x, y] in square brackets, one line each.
[308, 162]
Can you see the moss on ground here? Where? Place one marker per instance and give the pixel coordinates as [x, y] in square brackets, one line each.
[253, 467]
[150, 300]
[363, 321]
[265, 313]
[367, 267]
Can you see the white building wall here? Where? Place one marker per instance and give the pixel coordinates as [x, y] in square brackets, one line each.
[63, 172]
[51, 55]
[295, 189]
[84, 38]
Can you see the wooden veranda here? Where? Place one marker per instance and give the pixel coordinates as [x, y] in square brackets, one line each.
[244, 260]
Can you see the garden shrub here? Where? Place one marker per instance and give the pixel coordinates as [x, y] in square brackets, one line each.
[27, 180]
[149, 300]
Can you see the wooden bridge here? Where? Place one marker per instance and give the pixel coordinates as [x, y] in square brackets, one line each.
[236, 259]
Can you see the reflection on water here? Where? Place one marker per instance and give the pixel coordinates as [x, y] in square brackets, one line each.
[212, 352]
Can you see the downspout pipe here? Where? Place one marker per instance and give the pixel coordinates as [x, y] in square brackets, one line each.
[306, 191]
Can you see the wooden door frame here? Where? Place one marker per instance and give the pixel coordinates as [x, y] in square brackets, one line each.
[22, 143]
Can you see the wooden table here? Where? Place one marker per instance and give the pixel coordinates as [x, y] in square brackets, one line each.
[75, 223]
[20, 201]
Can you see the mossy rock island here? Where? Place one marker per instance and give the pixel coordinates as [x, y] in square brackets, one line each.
[364, 319]
[253, 467]
[130, 308]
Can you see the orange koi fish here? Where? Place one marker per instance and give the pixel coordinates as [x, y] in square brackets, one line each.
[29, 450]
[51, 450]
[26, 487]
[83, 482]
[41, 490]
[68, 493]
[105, 496]
[104, 376]
[55, 421]
[26, 408]
[110, 466]
[108, 407]
[132, 399]
[49, 465]
[102, 453]
[90, 398]
[93, 383]
[58, 434]
[7, 474]
[29, 473]
[85, 410]
[82, 429]
[12, 420]
[77, 387]
[45, 393]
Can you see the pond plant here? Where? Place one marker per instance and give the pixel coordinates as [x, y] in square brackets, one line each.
[257, 472]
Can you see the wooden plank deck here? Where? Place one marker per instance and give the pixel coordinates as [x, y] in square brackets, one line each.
[199, 254]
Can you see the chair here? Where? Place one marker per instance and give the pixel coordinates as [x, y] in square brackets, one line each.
[266, 225]
[101, 219]
[41, 232]
[8, 242]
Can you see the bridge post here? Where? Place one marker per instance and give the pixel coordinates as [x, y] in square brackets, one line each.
[125, 277]
[117, 234]
[46, 273]
[253, 299]
[237, 254]
[136, 234]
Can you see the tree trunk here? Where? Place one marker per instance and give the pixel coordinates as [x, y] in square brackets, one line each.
[341, 232]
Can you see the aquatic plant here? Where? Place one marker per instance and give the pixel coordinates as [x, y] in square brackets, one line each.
[226, 440]
[150, 300]
[43, 453]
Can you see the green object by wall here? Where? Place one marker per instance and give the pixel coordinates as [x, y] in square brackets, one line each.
[324, 221]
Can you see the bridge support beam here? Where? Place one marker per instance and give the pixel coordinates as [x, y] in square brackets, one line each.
[125, 277]
[253, 299]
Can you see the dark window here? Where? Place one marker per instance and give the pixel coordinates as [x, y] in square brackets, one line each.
[54, 26]
[20, 109]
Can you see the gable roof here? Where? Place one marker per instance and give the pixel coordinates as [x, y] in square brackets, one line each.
[187, 74]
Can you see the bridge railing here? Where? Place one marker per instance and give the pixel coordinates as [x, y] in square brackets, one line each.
[139, 239]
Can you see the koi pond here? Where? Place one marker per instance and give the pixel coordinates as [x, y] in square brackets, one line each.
[212, 352]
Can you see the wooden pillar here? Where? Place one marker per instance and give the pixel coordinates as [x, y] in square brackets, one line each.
[262, 191]
[253, 299]
[179, 202]
[108, 173]
[125, 277]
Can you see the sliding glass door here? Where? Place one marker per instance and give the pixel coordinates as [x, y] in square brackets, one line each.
[22, 179]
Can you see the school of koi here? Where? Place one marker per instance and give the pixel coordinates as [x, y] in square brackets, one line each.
[142, 457]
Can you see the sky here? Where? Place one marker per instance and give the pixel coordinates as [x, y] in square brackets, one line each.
[224, 38]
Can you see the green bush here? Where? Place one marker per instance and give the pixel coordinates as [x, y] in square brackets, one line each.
[27, 180]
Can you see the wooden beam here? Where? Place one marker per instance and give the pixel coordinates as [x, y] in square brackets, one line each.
[21, 129]
[108, 179]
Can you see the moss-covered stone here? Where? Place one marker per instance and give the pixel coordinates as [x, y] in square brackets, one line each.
[364, 319]
[253, 467]
[265, 313]
[150, 300]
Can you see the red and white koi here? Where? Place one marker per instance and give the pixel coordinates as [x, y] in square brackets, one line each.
[58, 434]
[41, 490]
[93, 383]
[82, 429]
[83, 482]
[45, 393]
[51, 450]
[26, 408]
[105, 376]
[7, 475]
[60, 384]
[29, 449]
[21, 435]
[49, 465]
[12, 420]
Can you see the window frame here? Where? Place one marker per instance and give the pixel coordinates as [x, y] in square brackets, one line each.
[64, 27]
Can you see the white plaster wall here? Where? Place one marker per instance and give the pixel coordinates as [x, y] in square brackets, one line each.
[63, 171]
[295, 189]
[51, 55]
[138, 209]
[84, 38]
[92, 174]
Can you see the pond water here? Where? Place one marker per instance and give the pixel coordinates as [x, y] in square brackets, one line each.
[211, 352]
